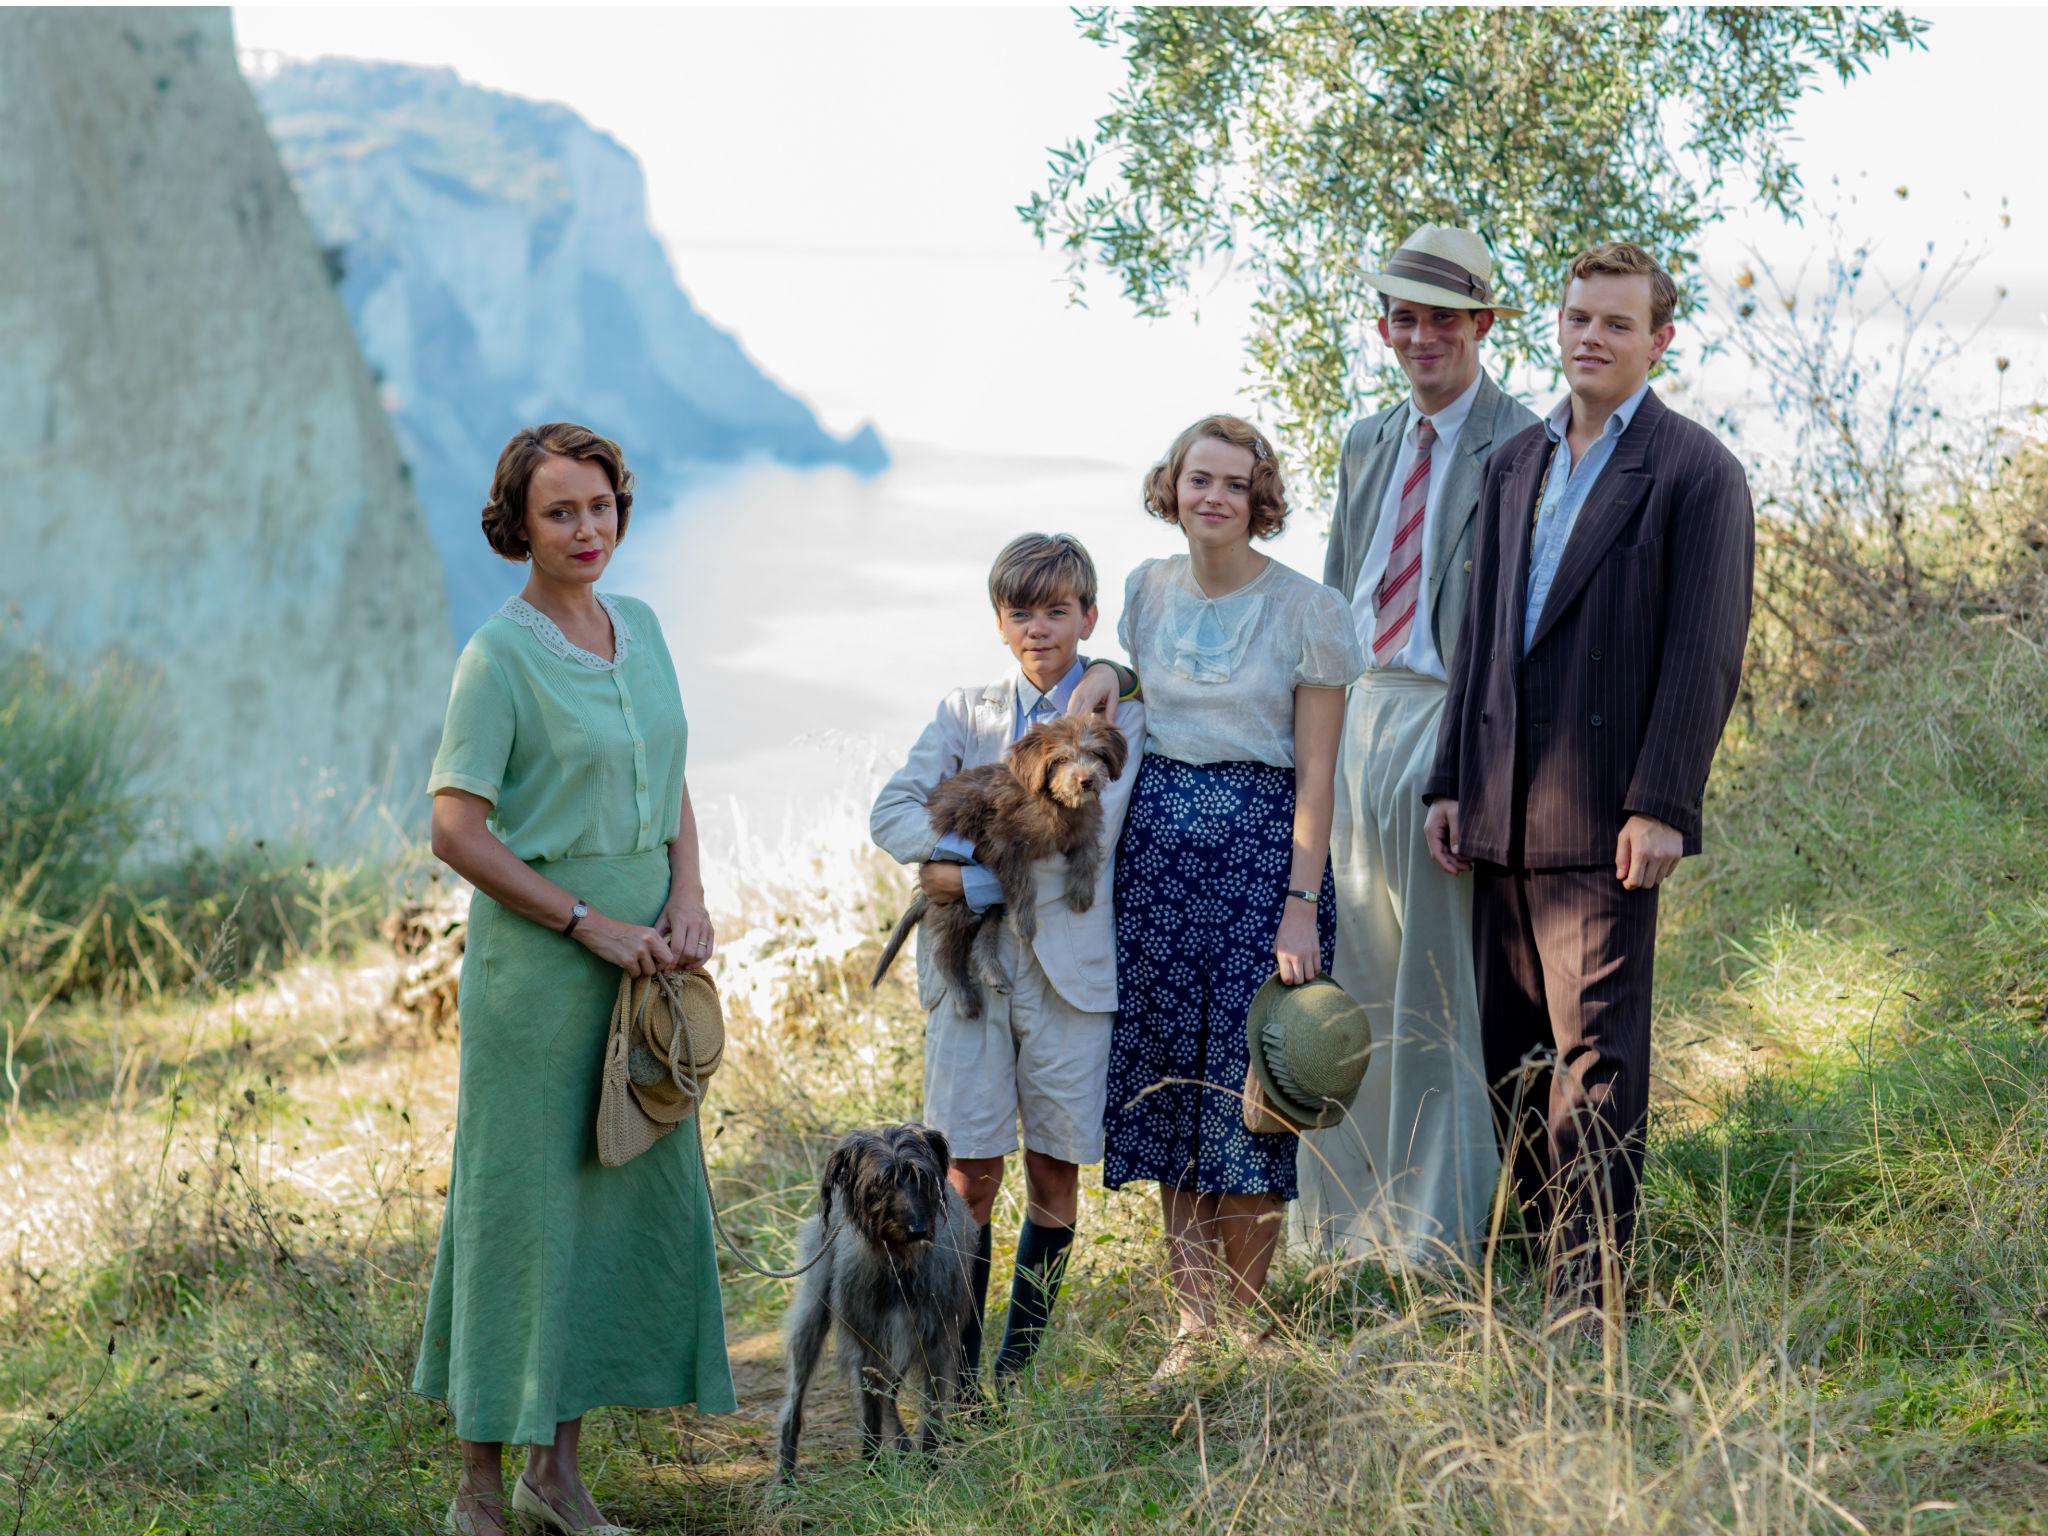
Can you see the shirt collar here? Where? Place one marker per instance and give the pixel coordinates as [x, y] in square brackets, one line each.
[1560, 416]
[1451, 419]
[1028, 696]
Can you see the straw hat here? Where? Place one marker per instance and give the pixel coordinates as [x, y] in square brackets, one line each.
[1441, 265]
[667, 1037]
[1308, 1047]
[691, 1001]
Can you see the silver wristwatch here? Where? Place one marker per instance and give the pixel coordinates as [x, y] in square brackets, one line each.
[1307, 896]
[576, 915]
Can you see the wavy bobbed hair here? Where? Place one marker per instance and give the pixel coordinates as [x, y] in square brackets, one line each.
[1268, 494]
[504, 515]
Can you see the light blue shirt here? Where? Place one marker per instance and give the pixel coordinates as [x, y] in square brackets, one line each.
[1564, 492]
[977, 884]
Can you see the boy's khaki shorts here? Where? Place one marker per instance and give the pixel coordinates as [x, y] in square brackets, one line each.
[1030, 1057]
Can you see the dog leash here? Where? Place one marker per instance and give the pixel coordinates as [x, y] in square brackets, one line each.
[711, 1198]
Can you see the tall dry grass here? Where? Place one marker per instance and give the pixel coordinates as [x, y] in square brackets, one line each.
[222, 1194]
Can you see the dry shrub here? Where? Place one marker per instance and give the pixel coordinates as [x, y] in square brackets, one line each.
[429, 931]
[1892, 505]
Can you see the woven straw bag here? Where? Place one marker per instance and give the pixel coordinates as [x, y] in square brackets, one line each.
[666, 1039]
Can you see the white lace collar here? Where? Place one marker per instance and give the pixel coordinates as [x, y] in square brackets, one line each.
[549, 633]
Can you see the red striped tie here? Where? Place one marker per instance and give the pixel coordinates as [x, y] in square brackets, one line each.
[1394, 608]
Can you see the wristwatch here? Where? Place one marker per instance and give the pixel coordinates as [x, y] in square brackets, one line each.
[1307, 896]
[576, 915]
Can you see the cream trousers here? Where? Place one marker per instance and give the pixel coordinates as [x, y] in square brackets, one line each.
[1408, 1176]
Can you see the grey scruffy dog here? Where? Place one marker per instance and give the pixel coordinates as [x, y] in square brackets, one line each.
[894, 1279]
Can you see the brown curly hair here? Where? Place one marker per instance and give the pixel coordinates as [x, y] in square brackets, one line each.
[1268, 494]
[504, 515]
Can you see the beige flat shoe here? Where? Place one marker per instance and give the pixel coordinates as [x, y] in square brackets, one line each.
[535, 1505]
[462, 1523]
[1182, 1356]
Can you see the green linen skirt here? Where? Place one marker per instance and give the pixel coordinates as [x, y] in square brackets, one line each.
[562, 1285]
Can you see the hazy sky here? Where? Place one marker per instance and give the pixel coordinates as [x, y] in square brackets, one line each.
[838, 186]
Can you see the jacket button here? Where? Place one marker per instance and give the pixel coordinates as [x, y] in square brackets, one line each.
[1596, 719]
[1468, 567]
[1493, 655]
[1596, 653]
[1482, 717]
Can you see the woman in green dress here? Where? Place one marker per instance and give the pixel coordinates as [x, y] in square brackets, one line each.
[562, 1285]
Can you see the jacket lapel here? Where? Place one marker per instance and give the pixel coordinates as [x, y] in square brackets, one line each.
[993, 718]
[1612, 502]
[1520, 486]
[1461, 487]
[1370, 495]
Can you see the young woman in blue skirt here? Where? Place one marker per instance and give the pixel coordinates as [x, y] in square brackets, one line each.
[1223, 875]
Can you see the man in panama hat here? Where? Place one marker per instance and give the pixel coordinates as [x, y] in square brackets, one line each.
[1406, 1176]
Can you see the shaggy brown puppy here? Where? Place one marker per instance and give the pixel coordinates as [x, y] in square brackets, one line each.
[895, 1279]
[1044, 798]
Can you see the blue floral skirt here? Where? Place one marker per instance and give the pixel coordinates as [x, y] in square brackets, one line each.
[1201, 885]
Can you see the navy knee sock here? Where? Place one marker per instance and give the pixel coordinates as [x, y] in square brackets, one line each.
[970, 1330]
[1041, 1265]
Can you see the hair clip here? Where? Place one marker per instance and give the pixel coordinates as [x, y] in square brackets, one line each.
[1260, 453]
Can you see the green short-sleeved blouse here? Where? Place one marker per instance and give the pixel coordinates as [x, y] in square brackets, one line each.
[578, 756]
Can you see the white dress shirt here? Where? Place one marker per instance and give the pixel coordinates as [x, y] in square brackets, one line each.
[1418, 652]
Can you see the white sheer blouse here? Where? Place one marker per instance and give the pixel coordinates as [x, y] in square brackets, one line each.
[1219, 674]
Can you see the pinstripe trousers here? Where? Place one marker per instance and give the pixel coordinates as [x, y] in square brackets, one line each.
[1564, 960]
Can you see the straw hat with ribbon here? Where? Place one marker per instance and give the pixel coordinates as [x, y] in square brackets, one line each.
[1442, 266]
[666, 1039]
[1308, 1047]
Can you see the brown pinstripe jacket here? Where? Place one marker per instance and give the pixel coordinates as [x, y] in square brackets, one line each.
[1619, 704]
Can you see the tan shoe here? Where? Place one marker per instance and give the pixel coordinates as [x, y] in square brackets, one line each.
[529, 1501]
[1182, 1356]
[462, 1523]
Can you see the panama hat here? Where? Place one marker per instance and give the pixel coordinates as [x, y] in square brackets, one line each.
[1308, 1046]
[1441, 265]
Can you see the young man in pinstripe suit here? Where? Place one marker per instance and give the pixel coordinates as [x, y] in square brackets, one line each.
[1599, 660]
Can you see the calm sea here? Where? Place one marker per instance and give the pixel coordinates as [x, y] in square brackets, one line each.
[817, 618]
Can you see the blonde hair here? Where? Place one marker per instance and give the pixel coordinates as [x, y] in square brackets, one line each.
[1268, 494]
[1036, 570]
[1618, 258]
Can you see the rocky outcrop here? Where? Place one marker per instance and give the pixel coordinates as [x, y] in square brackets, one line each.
[495, 256]
[198, 474]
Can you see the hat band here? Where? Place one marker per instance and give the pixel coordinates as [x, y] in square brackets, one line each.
[1276, 1063]
[1424, 268]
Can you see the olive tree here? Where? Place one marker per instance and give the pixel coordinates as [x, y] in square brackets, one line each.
[1300, 145]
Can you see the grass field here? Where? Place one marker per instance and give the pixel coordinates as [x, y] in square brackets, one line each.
[222, 1201]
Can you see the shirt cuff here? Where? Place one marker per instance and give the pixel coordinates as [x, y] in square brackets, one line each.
[953, 849]
[979, 888]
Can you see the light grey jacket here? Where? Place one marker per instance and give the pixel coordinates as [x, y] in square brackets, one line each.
[1370, 449]
[1076, 950]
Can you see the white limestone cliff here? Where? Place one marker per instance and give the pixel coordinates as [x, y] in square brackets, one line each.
[198, 475]
[496, 258]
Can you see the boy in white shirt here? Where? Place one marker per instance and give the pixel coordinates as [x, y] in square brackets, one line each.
[1039, 1055]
